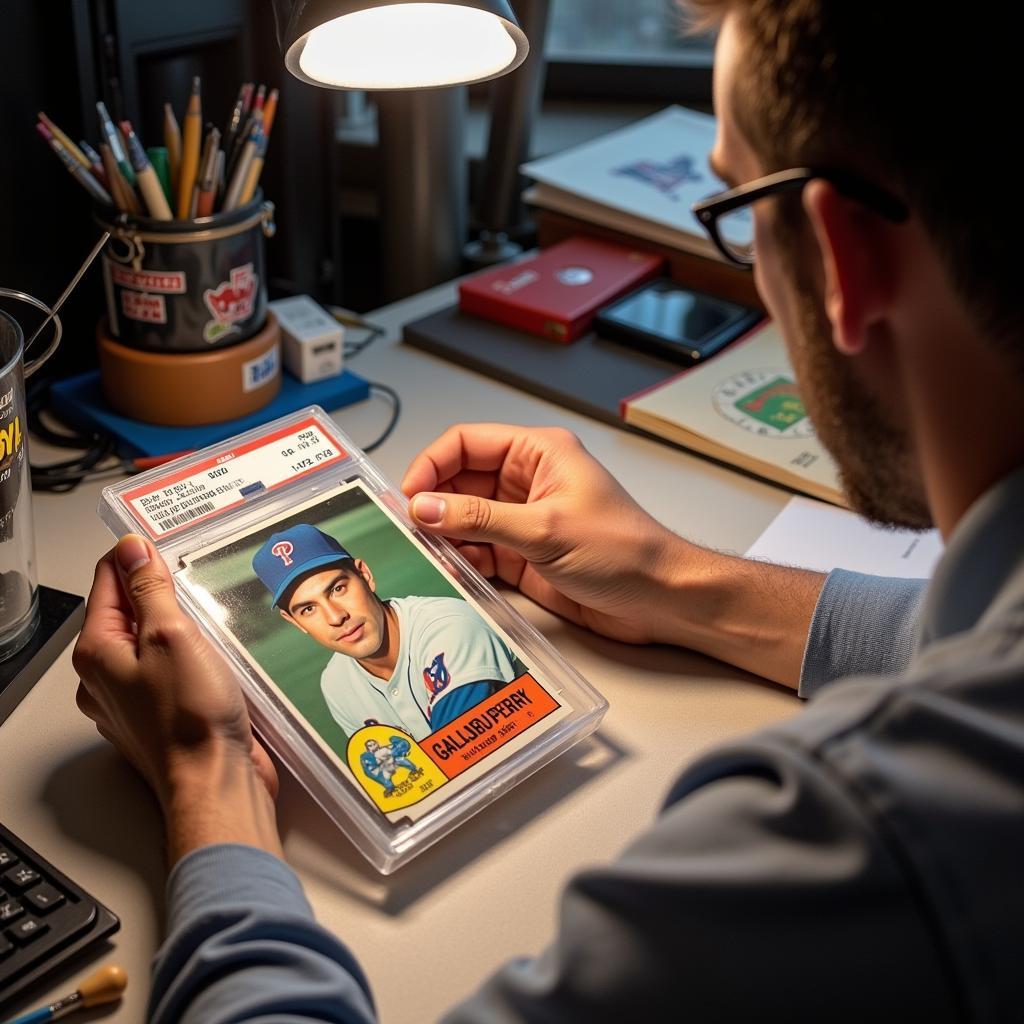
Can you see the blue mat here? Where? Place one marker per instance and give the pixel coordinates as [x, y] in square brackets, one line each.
[79, 402]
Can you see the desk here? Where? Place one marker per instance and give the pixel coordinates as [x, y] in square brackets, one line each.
[488, 892]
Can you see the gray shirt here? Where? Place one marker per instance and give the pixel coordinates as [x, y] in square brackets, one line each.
[864, 860]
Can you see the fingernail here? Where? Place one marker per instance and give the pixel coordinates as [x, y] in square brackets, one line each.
[132, 553]
[428, 509]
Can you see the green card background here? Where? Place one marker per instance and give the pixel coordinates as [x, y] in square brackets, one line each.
[289, 657]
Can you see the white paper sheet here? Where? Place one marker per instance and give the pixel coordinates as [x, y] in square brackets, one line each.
[812, 535]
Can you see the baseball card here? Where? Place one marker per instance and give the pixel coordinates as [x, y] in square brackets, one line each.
[389, 677]
[404, 681]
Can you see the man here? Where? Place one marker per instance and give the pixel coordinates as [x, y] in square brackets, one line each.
[380, 763]
[862, 860]
[413, 662]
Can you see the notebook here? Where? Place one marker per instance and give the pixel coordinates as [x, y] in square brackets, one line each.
[742, 407]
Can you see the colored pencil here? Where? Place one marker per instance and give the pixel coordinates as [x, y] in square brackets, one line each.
[172, 140]
[191, 139]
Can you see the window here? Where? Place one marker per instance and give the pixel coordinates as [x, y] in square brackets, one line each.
[626, 50]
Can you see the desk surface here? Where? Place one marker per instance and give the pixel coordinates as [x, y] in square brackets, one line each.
[67, 793]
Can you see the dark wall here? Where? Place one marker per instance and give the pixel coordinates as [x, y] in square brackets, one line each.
[45, 224]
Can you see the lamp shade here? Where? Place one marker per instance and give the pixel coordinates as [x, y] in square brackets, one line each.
[401, 44]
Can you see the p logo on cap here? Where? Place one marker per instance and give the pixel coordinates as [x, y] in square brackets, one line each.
[283, 550]
[287, 556]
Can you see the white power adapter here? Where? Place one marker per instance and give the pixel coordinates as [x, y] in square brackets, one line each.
[311, 339]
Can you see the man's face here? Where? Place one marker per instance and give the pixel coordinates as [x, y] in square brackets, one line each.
[338, 608]
[875, 459]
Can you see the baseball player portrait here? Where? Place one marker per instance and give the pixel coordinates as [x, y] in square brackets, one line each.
[416, 663]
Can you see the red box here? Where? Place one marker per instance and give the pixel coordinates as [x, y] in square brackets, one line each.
[556, 293]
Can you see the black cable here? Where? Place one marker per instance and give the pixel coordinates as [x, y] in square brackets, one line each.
[353, 348]
[396, 411]
[94, 447]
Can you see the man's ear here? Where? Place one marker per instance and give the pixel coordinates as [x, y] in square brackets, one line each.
[288, 618]
[364, 570]
[856, 258]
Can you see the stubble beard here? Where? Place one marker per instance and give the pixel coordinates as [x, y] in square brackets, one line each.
[877, 470]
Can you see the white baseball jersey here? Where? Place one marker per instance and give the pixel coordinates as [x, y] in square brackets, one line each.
[443, 644]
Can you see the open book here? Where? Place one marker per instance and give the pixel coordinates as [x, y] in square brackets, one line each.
[640, 180]
[742, 407]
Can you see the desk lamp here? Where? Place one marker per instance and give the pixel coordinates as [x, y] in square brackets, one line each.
[410, 54]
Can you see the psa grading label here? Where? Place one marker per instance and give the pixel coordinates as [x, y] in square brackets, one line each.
[190, 495]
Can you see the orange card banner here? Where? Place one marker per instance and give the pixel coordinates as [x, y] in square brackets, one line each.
[489, 725]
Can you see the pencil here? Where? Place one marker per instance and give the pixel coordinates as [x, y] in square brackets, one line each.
[207, 183]
[190, 151]
[172, 140]
[232, 198]
[123, 193]
[269, 112]
[66, 142]
[149, 183]
[74, 168]
[113, 137]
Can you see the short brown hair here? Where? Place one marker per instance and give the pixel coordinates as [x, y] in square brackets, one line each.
[915, 99]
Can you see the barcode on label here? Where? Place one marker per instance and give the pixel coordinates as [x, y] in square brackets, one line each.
[188, 514]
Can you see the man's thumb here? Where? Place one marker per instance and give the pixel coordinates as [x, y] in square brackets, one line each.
[145, 579]
[467, 517]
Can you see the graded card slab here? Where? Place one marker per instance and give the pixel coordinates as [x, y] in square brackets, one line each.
[388, 676]
[408, 686]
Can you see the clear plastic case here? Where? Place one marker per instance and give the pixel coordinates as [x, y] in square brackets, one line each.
[389, 676]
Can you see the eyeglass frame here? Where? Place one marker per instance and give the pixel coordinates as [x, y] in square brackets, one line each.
[707, 211]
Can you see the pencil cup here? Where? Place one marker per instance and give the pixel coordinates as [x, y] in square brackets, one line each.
[19, 596]
[186, 286]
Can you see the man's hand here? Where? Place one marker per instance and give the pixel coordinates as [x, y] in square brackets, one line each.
[160, 692]
[532, 507]
[535, 509]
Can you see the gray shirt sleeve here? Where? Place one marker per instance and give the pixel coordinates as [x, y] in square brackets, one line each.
[242, 945]
[862, 625]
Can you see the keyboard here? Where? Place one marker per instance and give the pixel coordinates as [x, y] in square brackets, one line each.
[45, 918]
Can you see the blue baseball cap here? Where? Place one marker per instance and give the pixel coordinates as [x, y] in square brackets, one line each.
[292, 553]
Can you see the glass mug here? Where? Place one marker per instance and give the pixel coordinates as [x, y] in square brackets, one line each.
[19, 591]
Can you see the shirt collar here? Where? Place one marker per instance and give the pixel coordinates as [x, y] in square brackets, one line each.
[982, 568]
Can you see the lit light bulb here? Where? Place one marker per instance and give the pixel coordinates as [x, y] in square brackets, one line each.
[402, 46]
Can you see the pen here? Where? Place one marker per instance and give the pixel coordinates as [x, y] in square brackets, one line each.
[95, 162]
[172, 140]
[124, 195]
[149, 183]
[66, 142]
[233, 196]
[190, 151]
[160, 159]
[207, 183]
[113, 138]
[259, 158]
[237, 114]
[74, 168]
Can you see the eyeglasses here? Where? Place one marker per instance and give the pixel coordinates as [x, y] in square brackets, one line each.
[729, 221]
